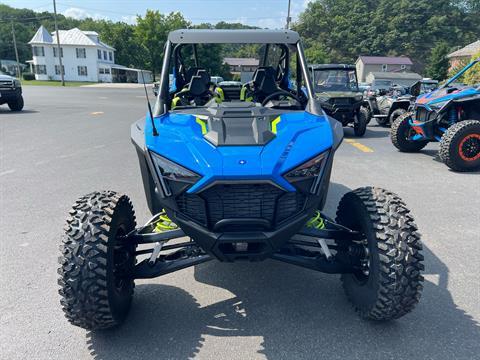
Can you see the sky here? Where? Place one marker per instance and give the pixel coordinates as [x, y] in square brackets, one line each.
[263, 13]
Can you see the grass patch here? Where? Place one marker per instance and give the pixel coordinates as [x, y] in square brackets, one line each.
[55, 83]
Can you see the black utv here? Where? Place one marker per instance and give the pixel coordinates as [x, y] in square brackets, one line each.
[336, 86]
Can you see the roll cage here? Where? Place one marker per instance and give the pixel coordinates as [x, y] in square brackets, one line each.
[180, 40]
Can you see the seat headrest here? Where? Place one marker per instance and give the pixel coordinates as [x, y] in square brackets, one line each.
[190, 72]
[197, 86]
[204, 74]
[264, 80]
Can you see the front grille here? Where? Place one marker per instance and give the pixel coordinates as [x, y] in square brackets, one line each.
[421, 114]
[240, 201]
[6, 84]
[342, 101]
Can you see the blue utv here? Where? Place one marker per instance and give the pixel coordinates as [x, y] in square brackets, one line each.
[235, 177]
[450, 115]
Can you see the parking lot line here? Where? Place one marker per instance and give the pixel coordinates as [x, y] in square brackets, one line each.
[359, 146]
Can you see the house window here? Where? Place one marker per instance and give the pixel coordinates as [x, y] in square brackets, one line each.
[57, 69]
[41, 69]
[99, 54]
[82, 71]
[101, 70]
[104, 55]
[110, 56]
[384, 67]
[107, 71]
[38, 51]
[81, 53]
[55, 52]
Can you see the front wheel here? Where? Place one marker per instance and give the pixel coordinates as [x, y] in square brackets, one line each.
[395, 114]
[401, 134]
[17, 104]
[388, 282]
[360, 123]
[460, 146]
[96, 262]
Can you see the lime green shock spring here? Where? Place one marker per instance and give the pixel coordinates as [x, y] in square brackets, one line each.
[164, 223]
[316, 221]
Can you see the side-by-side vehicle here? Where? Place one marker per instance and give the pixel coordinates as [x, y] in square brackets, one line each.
[237, 178]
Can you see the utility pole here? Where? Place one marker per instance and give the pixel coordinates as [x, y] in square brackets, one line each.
[289, 19]
[59, 51]
[16, 51]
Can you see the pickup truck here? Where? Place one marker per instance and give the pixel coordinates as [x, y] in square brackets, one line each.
[11, 92]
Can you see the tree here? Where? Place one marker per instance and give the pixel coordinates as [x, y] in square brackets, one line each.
[472, 77]
[438, 64]
[346, 29]
[152, 31]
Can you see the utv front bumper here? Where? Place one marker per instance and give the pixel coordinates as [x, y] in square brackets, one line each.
[242, 245]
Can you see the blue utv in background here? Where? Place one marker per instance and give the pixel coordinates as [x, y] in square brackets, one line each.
[450, 115]
[241, 177]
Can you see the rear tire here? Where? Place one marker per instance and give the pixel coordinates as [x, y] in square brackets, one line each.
[17, 104]
[96, 263]
[391, 284]
[460, 146]
[360, 125]
[401, 132]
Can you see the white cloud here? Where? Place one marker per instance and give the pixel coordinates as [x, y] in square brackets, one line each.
[130, 19]
[80, 14]
[272, 23]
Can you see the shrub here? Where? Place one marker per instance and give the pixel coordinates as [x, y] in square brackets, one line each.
[28, 76]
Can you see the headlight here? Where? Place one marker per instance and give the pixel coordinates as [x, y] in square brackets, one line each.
[169, 170]
[16, 84]
[323, 98]
[308, 170]
[359, 98]
[438, 105]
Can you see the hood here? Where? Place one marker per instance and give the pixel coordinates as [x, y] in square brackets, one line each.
[6, 77]
[339, 94]
[446, 94]
[296, 138]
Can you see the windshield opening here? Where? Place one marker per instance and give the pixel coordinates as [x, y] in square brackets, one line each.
[335, 80]
[213, 75]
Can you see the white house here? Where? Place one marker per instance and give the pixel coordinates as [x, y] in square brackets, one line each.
[84, 58]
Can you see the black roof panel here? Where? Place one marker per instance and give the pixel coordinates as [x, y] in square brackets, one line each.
[208, 36]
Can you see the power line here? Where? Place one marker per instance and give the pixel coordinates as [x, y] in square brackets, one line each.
[19, 20]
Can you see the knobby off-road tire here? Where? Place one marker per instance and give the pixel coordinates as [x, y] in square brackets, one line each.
[16, 105]
[460, 146]
[95, 291]
[395, 114]
[360, 126]
[368, 113]
[400, 133]
[392, 285]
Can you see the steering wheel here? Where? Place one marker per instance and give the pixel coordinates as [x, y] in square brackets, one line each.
[278, 93]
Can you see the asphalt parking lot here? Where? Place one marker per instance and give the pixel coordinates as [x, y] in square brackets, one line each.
[72, 141]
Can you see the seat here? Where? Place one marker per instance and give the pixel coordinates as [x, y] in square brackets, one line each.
[262, 85]
[197, 92]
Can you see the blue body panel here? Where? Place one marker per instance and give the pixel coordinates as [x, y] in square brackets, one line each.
[441, 95]
[300, 137]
